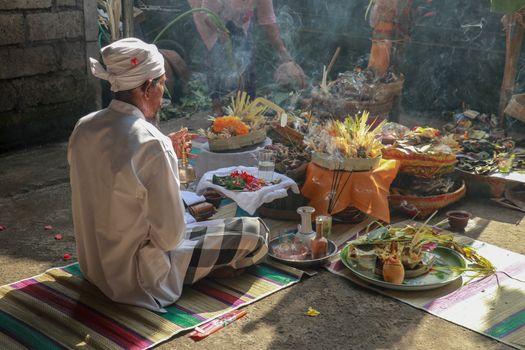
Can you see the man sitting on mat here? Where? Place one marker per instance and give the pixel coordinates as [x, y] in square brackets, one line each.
[128, 214]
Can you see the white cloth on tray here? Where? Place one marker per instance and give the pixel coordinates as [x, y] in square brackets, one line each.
[249, 201]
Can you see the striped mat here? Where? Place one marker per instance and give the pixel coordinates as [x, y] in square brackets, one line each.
[59, 309]
[494, 306]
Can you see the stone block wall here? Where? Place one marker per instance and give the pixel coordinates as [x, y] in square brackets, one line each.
[45, 85]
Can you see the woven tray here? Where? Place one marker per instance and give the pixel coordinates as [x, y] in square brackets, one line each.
[237, 142]
[347, 164]
[483, 185]
[421, 165]
[429, 204]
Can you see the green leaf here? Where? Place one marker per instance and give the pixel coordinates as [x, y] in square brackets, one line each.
[380, 233]
[506, 6]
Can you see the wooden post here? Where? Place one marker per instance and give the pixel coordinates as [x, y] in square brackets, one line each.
[402, 32]
[514, 28]
[127, 18]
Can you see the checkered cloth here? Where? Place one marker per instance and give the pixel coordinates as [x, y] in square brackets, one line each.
[235, 242]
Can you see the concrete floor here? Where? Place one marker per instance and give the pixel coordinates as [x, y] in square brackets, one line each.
[34, 192]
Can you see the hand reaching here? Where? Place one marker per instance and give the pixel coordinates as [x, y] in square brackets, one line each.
[290, 74]
[180, 139]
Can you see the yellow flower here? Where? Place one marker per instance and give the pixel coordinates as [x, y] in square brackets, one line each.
[312, 312]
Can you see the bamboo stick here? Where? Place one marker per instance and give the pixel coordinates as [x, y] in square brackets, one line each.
[514, 28]
[127, 18]
[332, 61]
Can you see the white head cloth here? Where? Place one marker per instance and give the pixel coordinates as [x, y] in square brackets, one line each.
[129, 63]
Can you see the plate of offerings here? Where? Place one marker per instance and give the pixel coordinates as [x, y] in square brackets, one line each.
[409, 258]
[289, 249]
[423, 152]
[241, 181]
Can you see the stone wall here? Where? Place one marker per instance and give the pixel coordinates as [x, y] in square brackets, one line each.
[44, 81]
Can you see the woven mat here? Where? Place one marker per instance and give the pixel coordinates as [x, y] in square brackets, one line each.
[494, 306]
[60, 309]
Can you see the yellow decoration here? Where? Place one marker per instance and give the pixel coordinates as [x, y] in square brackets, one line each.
[233, 124]
[354, 137]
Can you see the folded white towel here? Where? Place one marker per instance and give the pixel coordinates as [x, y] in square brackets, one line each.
[249, 201]
[191, 198]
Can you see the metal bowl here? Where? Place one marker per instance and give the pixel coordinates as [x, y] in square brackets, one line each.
[332, 251]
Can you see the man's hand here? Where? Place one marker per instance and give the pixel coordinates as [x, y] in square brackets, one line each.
[180, 139]
[290, 74]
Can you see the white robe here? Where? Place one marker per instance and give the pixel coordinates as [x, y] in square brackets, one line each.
[127, 208]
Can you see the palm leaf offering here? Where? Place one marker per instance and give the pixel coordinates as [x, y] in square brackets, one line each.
[244, 115]
[250, 112]
[410, 243]
[355, 137]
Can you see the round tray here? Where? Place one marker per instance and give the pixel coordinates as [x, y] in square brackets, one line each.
[426, 205]
[444, 257]
[236, 143]
[420, 164]
[332, 251]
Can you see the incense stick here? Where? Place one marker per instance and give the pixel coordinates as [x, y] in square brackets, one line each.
[332, 61]
[344, 185]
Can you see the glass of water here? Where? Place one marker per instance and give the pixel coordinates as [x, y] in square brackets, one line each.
[266, 164]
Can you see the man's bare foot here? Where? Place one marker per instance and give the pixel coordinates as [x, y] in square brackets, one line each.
[226, 272]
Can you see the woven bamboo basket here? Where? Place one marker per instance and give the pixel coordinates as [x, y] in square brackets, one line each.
[483, 185]
[378, 99]
[347, 164]
[429, 204]
[285, 135]
[339, 108]
[237, 142]
[421, 165]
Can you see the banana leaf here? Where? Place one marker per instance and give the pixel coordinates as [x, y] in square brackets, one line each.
[506, 6]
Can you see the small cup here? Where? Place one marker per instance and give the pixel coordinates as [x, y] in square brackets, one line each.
[266, 164]
[458, 219]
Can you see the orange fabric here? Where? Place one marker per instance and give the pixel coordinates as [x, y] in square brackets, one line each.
[367, 190]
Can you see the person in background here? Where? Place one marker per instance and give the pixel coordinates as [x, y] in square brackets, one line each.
[128, 214]
[237, 16]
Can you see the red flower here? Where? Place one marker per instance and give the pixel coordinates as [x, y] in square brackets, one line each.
[66, 257]
[134, 61]
[2, 227]
[48, 227]
[58, 237]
